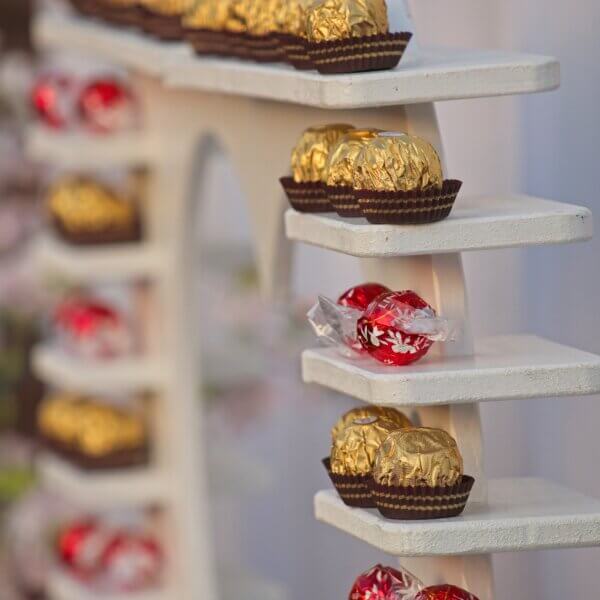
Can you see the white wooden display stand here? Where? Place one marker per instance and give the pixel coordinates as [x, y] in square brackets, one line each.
[254, 113]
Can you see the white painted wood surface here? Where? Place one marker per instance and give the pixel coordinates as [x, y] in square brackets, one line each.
[506, 367]
[476, 223]
[123, 375]
[521, 514]
[424, 75]
[102, 490]
[115, 262]
[81, 151]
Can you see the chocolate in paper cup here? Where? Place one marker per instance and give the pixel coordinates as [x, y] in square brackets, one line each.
[414, 503]
[354, 490]
[263, 48]
[343, 200]
[353, 55]
[112, 235]
[294, 50]
[167, 28]
[406, 208]
[307, 197]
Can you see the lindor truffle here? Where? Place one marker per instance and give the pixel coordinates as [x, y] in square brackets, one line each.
[418, 457]
[330, 20]
[353, 451]
[340, 169]
[385, 413]
[385, 583]
[395, 161]
[444, 592]
[311, 154]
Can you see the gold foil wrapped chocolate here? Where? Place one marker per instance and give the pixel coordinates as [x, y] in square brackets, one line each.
[89, 427]
[386, 413]
[82, 205]
[418, 456]
[340, 169]
[311, 154]
[397, 162]
[330, 20]
[353, 451]
[209, 14]
[263, 16]
[294, 17]
[168, 7]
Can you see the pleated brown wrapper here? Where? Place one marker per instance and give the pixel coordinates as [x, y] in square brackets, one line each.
[421, 502]
[354, 490]
[358, 54]
[293, 49]
[167, 28]
[118, 459]
[343, 200]
[129, 233]
[408, 208]
[306, 196]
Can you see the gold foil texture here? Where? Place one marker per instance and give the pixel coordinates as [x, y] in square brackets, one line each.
[418, 456]
[340, 169]
[311, 154]
[353, 451]
[92, 428]
[82, 205]
[398, 162]
[329, 20]
[168, 7]
[209, 14]
[294, 17]
[386, 413]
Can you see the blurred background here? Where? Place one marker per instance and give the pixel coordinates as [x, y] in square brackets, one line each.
[543, 145]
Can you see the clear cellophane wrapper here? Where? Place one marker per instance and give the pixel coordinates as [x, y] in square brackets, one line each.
[336, 326]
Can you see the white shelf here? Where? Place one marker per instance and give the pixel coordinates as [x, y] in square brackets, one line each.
[98, 263]
[476, 223]
[104, 489]
[426, 76]
[61, 586]
[81, 151]
[106, 376]
[503, 368]
[522, 514]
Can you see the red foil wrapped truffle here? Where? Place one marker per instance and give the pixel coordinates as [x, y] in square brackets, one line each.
[360, 296]
[444, 592]
[92, 329]
[80, 547]
[52, 98]
[106, 105]
[381, 331]
[385, 583]
[131, 562]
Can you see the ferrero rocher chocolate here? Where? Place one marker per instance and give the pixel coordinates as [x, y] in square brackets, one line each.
[387, 413]
[329, 20]
[168, 7]
[294, 17]
[353, 451]
[264, 16]
[311, 154]
[340, 169]
[394, 161]
[91, 428]
[209, 14]
[83, 206]
[418, 456]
